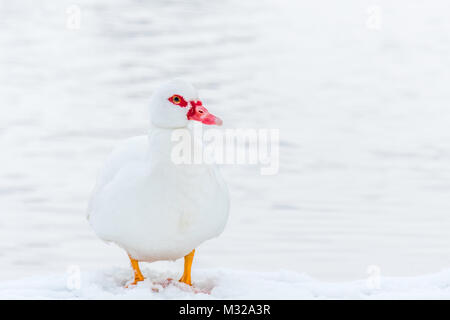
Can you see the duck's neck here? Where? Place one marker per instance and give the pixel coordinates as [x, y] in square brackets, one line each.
[163, 140]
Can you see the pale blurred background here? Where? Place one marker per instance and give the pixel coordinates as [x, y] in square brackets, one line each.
[359, 90]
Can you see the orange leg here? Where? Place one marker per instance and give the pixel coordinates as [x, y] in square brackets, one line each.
[186, 278]
[137, 272]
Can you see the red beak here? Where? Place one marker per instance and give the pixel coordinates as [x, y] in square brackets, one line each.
[198, 112]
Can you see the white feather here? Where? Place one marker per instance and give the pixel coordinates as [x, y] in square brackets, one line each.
[152, 207]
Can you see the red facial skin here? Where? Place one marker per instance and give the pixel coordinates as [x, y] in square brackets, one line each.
[178, 101]
[197, 111]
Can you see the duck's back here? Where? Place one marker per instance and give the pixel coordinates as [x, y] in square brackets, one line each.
[129, 151]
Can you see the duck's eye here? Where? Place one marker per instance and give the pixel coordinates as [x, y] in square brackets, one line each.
[200, 111]
[178, 101]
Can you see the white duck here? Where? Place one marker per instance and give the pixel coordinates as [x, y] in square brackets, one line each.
[151, 207]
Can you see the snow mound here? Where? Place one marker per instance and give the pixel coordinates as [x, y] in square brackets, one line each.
[223, 284]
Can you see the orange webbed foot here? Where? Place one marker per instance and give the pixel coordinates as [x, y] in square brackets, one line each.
[186, 278]
[134, 282]
[138, 277]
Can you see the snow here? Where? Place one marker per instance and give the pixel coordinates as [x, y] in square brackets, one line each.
[224, 284]
[363, 116]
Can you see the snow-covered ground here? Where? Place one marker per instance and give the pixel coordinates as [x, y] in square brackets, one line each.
[362, 108]
[222, 284]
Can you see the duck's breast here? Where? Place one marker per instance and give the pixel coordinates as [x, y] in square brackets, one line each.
[157, 210]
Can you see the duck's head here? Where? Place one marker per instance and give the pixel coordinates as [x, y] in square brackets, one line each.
[175, 103]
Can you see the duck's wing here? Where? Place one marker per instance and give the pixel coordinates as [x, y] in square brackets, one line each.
[130, 150]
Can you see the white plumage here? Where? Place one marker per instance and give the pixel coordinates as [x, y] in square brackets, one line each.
[147, 204]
